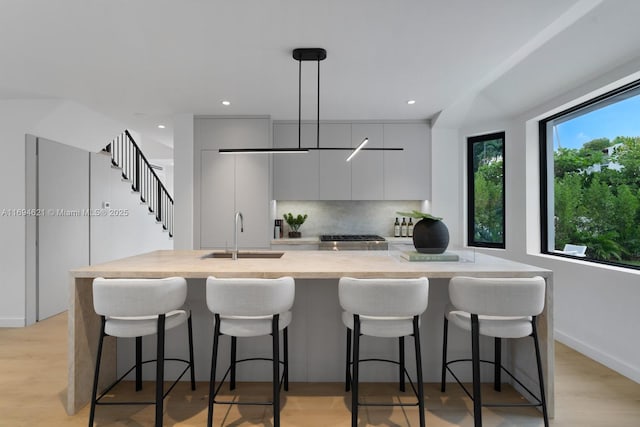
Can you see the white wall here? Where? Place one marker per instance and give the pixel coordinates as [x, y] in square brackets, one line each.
[16, 117]
[595, 306]
[183, 180]
[447, 158]
[115, 236]
[78, 126]
[63, 121]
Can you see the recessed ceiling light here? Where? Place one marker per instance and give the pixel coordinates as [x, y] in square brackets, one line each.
[161, 126]
[226, 103]
[411, 101]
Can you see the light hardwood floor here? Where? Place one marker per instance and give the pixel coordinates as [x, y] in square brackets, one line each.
[33, 375]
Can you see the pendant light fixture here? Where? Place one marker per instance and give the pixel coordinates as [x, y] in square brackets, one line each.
[308, 54]
[319, 54]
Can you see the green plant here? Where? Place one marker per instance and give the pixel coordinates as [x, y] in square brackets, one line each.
[420, 215]
[294, 221]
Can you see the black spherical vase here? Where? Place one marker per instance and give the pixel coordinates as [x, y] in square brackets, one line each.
[430, 236]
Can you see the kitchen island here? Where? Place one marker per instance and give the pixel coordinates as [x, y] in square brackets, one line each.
[317, 337]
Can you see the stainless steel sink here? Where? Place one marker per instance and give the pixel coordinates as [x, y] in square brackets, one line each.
[245, 254]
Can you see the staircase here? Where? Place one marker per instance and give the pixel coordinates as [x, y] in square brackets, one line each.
[136, 169]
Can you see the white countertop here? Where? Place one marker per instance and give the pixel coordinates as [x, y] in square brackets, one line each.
[301, 264]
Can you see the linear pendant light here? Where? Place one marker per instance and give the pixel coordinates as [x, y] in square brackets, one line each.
[278, 150]
[263, 150]
[308, 54]
[319, 54]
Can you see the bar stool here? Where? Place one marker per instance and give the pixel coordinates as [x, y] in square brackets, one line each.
[499, 308]
[250, 308]
[131, 308]
[388, 308]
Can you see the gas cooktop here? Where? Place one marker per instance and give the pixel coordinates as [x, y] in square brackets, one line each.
[351, 238]
[353, 242]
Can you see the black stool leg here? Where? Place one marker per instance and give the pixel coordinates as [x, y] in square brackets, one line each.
[193, 375]
[212, 379]
[443, 384]
[276, 370]
[138, 363]
[543, 398]
[401, 366]
[497, 370]
[96, 375]
[285, 345]
[347, 371]
[356, 362]
[416, 339]
[160, 371]
[475, 354]
[232, 381]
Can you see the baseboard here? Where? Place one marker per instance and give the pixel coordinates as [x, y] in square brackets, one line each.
[12, 322]
[611, 362]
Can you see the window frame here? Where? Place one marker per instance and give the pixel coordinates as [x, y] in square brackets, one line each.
[546, 166]
[471, 190]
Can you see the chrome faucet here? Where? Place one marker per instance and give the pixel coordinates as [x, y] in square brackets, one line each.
[234, 254]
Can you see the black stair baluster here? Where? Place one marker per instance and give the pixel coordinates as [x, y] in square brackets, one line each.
[126, 155]
[159, 186]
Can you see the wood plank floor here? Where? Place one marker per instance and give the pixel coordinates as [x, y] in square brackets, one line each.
[33, 372]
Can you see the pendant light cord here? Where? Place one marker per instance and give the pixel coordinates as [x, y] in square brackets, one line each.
[318, 115]
[299, 101]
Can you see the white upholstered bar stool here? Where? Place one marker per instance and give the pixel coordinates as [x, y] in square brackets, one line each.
[387, 308]
[498, 308]
[133, 308]
[245, 307]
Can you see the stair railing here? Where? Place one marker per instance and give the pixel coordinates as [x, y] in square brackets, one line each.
[127, 156]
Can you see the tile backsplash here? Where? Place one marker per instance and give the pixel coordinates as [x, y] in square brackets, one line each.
[347, 216]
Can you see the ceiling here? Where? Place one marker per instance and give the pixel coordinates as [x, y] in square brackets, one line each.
[141, 62]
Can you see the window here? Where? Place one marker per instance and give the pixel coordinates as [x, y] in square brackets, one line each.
[485, 188]
[590, 174]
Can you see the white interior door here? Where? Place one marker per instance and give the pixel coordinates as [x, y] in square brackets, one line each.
[63, 228]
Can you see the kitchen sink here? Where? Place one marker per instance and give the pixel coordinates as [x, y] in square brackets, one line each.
[245, 254]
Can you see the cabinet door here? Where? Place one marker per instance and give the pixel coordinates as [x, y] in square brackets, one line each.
[252, 199]
[407, 173]
[335, 171]
[233, 182]
[217, 199]
[367, 179]
[295, 176]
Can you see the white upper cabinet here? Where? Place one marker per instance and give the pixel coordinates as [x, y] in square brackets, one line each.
[370, 175]
[228, 183]
[367, 179]
[295, 176]
[407, 173]
[335, 171]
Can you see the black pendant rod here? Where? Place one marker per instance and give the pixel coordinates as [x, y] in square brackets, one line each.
[318, 54]
[318, 115]
[299, 100]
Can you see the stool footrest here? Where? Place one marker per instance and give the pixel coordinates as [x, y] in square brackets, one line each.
[116, 382]
[226, 374]
[406, 373]
[490, 362]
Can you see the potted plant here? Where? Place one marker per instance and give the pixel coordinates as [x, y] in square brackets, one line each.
[430, 234]
[294, 223]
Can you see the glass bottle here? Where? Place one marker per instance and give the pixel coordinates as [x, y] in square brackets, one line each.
[396, 228]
